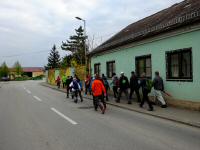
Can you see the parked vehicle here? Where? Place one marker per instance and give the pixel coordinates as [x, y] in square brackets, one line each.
[5, 79]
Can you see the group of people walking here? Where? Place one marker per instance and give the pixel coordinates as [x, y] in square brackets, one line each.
[95, 87]
[73, 85]
[122, 85]
[98, 87]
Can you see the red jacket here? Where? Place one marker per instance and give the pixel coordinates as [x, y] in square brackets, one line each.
[98, 88]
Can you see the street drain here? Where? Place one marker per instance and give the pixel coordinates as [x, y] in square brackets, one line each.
[86, 107]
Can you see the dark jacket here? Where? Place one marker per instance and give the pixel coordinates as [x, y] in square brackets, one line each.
[143, 84]
[123, 82]
[134, 82]
[158, 83]
[105, 82]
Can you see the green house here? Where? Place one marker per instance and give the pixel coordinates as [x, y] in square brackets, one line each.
[168, 42]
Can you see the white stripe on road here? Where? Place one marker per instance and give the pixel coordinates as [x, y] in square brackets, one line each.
[65, 117]
[37, 98]
[29, 92]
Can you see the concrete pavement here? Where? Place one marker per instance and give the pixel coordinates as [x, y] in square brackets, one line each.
[35, 117]
[179, 115]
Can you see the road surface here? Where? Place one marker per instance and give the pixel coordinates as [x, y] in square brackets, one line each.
[33, 117]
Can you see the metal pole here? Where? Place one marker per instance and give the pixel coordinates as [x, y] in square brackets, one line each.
[85, 45]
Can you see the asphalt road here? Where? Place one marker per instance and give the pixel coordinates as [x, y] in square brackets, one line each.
[33, 117]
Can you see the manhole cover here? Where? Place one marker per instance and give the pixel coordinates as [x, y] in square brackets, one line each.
[86, 107]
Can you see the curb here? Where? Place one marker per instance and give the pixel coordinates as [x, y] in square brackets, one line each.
[138, 111]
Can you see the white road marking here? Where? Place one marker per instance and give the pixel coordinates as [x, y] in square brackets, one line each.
[37, 98]
[65, 117]
[29, 92]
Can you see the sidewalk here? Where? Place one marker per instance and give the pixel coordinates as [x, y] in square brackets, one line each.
[183, 116]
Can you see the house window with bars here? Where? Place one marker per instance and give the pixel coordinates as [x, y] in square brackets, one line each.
[179, 64]
[110, 68]
[97, 68]
[143, 65]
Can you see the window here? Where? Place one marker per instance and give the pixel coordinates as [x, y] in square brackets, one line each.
[110, 68]
[179, 64]
[97, 68]
[143, 64]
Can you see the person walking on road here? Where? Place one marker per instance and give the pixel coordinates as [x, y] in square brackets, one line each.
[58, 81]
[87, 85]
[106, 85]
[145, 92]
[76, 89]
[68, 81]
[158, 89]
[123, 87]
[98, 90]
[64, 78]
[115, 85]
[134, 87]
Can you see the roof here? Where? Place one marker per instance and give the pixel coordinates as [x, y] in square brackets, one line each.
[33, 69]
[176, 16]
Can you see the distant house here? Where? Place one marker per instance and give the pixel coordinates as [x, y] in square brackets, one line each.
[167, 41]
[33, 71]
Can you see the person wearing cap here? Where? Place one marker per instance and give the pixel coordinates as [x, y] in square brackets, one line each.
[123, 86]
[134, 87]
[98, 90]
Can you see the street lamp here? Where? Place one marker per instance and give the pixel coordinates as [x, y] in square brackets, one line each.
[84, 21]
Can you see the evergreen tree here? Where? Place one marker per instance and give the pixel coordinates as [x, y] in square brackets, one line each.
[18, 68]
[54, 58]
[76, 45]
[4, 71]
[66, 61]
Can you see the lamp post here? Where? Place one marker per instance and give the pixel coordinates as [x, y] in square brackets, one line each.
[85, 47]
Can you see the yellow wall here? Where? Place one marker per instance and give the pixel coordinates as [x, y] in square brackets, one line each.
[78, 70]
[35, 74]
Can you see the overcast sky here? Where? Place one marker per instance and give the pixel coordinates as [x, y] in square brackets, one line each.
[29, 28]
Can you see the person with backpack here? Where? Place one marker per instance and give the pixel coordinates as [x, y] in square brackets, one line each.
[98, 91]
[115, 85]
[158, 88]
[146, 89]
[76, 90]
[134, 87]
[106, 85]
[123, 86]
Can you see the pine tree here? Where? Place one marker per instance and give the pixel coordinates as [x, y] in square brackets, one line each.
[54, 58]
[76, 45]
[18, 68]
[66, 61]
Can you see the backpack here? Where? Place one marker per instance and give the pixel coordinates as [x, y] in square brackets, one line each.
[105, 82]
[75, 85]
[116, 82]
[149, 85]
